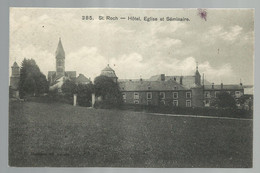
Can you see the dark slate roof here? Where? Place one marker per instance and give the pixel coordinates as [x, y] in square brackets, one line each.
[60, 50]
[109, 72]
[108, 68]
[150, 85]
[15, 64]
[187, 81]
[71, 74]
[227, 87]
[82, 79]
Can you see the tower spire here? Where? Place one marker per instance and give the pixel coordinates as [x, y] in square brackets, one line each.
[197, 65]
[60, 50]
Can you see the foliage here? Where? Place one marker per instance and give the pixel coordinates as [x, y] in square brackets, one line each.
[224, 100]
[69, 88]
[84, 92]
[32, 81]
[108, 90]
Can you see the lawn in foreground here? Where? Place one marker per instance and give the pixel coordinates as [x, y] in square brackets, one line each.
[47, 134]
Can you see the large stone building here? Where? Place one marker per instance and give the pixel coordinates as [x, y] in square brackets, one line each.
[183, 91]
[57, 78]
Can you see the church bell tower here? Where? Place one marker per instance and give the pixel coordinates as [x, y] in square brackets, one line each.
[60, 60]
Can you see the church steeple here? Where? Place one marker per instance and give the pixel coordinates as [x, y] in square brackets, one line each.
[60, 60]
[60, 51]
[197, 75]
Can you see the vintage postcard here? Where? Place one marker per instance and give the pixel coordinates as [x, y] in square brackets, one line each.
[156, 88]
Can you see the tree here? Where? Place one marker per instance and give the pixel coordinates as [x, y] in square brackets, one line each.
[84, 92]
[225, 100]
[69, 88]
[32, 81]
[108, 90]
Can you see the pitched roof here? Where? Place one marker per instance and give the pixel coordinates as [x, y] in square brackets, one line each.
[150, 85]
[109, 72]
[15, 65]
[60, 50]
[82, 79]
[187, 81]
[227, 87]
[108, 68]
[71, 74]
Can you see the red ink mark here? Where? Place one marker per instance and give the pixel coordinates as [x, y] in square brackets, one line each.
[202, 13]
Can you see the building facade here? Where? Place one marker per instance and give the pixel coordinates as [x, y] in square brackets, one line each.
[182, 91]
[58, 77]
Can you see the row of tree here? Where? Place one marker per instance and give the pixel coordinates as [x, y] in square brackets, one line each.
[103, 87]
[34, 82]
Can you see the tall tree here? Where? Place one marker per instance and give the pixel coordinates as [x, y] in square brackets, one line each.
[32, 80]
[69, 88]
[108, 90]
[84, 92]
[225, 100]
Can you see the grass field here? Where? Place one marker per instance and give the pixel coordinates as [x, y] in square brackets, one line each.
[53, 134]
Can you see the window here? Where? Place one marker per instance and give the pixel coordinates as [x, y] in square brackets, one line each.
[149, 87]
[162, 102]
[162, 95]
[207, 94]
[216, 94]
[207, 103]
[59, 63]
[237, 94]
[188, 103]
[188, 94]
[136, 101]
[136, 95]
[237, 103]
[149, 95]
[124, 97]
[175, 87]
[175, 103]
[175, 95]
[149, 102]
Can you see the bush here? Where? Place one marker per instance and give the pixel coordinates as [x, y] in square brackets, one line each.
[109, 91]
[216, 112]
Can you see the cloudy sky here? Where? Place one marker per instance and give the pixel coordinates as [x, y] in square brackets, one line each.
[223, 44]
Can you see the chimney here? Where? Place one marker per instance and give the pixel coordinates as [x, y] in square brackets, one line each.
[162, 77]
[241, 84]
[181, 80]
[221, 85]
[212, 85]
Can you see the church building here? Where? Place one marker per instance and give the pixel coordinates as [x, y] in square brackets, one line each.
[58, 77]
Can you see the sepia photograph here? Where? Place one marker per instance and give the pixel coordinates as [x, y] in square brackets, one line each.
[132, 88]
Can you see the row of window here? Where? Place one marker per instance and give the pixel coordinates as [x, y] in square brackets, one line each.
[175, 102]
[149, 95]
[207, 93]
